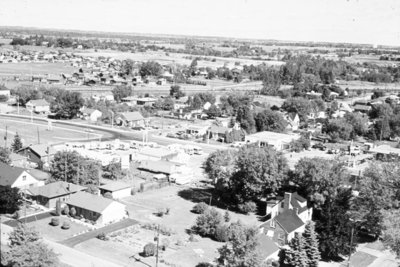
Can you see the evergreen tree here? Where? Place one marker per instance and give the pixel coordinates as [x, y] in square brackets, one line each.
[17, 143]
[311, 244]
[296, 256]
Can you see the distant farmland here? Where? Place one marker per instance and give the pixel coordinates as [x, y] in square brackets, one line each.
[22, 69]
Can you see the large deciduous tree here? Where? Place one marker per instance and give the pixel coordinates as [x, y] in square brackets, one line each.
[121, 91]
[245, 117]
[67, 104]
[299, 105]
[10, 199]
[269, 120]
[259, 172]
[241, 249]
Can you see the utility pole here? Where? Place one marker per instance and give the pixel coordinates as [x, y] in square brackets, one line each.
[38, 136]
[5, 138]
[158, 242]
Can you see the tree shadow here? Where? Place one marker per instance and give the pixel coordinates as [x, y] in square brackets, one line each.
[206, 195]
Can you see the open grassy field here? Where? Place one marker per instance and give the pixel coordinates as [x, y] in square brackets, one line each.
[35, 68]
[175, 58]
[31, 133]
[373, 59]
[355, 85]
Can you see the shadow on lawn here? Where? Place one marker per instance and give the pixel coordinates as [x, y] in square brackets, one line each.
[209, 195]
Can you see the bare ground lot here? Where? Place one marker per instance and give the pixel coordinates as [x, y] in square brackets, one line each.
[35, 68]
[31, 132]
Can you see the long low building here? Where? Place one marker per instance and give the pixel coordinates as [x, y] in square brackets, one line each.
[279, 141]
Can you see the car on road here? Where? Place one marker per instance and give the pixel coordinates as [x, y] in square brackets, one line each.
[319, 146]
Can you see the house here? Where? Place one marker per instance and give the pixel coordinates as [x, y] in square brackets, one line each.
[267, 248]
[279, 141]
[48, 195]
[146, 101]
[131, 119]
[287, 215]
[117, 189]
[17, 177]
[197, 131]
[38, 106]
[96, 208]
[218, 133]
[362, 108]
[38, 154]
[293, 120]
[18, 160]
[91, 114]
[53, 79]
[5, 92]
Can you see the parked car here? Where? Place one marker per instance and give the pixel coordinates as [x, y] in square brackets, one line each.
[319, 146]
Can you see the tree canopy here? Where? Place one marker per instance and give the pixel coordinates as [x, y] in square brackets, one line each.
[10, 199]
[269, 120]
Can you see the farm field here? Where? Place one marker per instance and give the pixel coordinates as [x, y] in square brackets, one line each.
[355, 85]
[29, 132]
[175, 58]
[25, 69]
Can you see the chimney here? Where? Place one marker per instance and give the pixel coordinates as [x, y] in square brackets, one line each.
[287, 200]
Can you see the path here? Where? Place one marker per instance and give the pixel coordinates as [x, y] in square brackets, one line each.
[76, 258]
[73, 241]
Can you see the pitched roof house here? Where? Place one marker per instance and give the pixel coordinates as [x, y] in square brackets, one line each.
[95, 208]
[293, 120]
[287, 215]
[48, 195]
[17, 177]
[38, 154]
[38, 106]
[131, 119]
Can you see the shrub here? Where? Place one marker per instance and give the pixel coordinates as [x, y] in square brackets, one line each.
[160, 212]
[72, 212]
[149, 250]
[247, 207]
[222, 233]
[55, 221]
[66, 210]
[102, 236]
[164, 244]
[200, 208]
[227, 216]
[192, 238]
[58, 208]
[66, 225]
[207, 223]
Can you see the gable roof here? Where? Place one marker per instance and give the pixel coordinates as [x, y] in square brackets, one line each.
[8, 174]
[289, 221]
[89, 201]
[115, 186]
[266, 246]
[88, 110]
[55, 189]
[39, 175]
[132, 116]
[38, 102]
[41, 149]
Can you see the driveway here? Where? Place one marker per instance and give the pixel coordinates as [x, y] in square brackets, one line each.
[28, 219]
[73, 241]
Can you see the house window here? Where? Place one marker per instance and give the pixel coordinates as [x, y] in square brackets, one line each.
[24, 178]
[282, 204]
[272, 224]
[281, 236]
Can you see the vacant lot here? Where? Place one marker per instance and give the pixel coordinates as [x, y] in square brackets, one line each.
[128, 243]
[35, 68]
[32, 133]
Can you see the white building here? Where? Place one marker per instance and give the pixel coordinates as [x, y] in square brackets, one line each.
[17, 177]
[279, 141]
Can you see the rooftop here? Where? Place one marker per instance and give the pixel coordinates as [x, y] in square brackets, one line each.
[272, 136]
[89, 202]
[55, 189]
[289, 220]
[115, 186]
[38, 102]
[132, 116]
[8, 174]
[385, 149]
[266, 246]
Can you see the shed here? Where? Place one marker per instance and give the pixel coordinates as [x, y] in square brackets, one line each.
[117, 189]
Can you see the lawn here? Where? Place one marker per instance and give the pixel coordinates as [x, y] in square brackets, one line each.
[56, 233]
[361, 259]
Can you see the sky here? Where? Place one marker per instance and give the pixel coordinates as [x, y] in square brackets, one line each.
[353, 21]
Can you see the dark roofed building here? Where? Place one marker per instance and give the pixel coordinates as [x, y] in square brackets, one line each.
[17, 177]
[117, 189]
[48, 195]
[38, 154]
[95, 208]
[131, 119]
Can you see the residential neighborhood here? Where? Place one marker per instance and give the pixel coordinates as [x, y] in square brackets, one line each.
[224, 136]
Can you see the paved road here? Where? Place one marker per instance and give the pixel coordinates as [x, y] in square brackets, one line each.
[73, 241]
[28, 219]
[123, 134]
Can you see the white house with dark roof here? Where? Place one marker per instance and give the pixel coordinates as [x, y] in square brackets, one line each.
[90, 114]
[287, 215]
[96, 208]
[131, 119]
[17, 177]
[38, 106]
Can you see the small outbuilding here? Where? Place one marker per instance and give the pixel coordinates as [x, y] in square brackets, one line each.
[117, 189]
